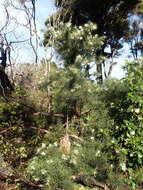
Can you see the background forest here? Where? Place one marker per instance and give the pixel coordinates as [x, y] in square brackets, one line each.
[67, 124]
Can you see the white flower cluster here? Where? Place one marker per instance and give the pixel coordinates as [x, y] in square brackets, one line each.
[98, 153]
[92, 138]
[132, 133]
[76, 151]
[36, 165]
[65, 157]
[74, 33]
[79, 58]
[66, 37]
[123, 166]
[73, 161]
[91, 26]
[137, 110]
[44, 147]
[23, 152]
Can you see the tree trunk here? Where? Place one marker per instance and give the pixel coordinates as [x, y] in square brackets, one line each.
[100, 75]
[5, 84]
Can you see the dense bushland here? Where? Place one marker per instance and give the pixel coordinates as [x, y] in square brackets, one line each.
[91, 137]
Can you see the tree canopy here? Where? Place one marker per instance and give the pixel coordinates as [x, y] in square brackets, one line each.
[111, 18]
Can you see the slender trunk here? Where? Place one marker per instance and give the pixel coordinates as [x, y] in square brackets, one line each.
[47, 74]
[99, 65]
[49, 89]
[100, 75]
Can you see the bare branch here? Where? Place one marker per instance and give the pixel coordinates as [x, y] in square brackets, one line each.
[7, 19]
[20, 41]
[27, 7]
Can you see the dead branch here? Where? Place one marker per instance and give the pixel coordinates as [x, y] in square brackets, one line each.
[85, 112]
[14, 179]
[76, 137]
[49, 114]
[19, 41]
[41, 130]
[90, 182]
[3, 131]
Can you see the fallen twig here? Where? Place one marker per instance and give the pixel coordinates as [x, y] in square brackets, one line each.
[41, 130]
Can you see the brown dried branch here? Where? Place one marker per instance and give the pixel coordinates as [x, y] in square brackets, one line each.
[85, 112]
[89, 181]
[3, 131]
[14, 179]
[49, 114]
[76, 137]
[41, 130]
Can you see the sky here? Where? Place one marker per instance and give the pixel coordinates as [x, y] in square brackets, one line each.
[44, 9]
[23, 52]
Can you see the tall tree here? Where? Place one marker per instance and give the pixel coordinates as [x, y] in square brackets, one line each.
[110, 16]
[75, 45]
[135, 37]
[135, 34]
